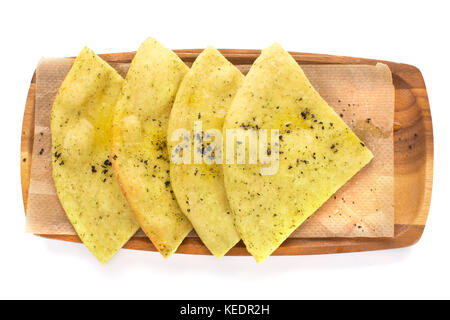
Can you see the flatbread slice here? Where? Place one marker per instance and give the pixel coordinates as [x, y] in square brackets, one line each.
[139, 148]
[318, 152]
[81, 141]
[204, 96]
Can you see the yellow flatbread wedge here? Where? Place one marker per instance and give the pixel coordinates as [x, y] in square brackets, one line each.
[204, 96]
[139, 148]
[318, 152]
[81, 141]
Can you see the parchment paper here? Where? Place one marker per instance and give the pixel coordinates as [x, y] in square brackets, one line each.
[364, 97]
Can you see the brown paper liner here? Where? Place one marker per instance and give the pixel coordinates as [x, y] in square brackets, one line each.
[364, 97]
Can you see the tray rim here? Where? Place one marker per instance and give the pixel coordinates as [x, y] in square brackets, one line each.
[405, 234]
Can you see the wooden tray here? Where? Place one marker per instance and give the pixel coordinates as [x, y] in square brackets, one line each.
[413, 163]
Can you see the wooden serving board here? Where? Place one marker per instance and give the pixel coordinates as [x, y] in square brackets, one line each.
[413, 163]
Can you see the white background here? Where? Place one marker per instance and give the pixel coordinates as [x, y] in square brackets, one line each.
[413, 32]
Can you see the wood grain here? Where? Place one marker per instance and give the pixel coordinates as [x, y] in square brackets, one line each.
[413, 163]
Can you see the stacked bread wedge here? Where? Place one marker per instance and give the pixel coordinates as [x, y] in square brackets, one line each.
[171, 148]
